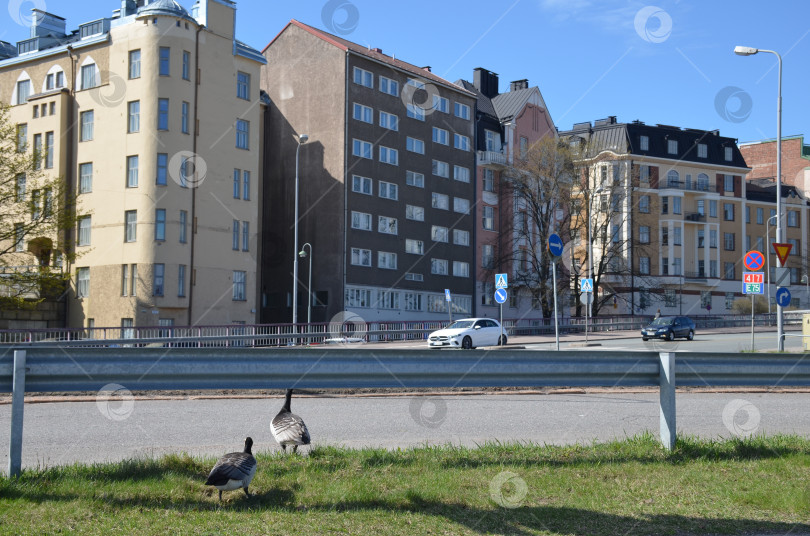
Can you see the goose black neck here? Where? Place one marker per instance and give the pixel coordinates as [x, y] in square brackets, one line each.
[248, 445]
[287, 399]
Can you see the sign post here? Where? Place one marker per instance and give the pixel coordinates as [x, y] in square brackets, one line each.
[752, 284]
[586, 287]
[555, 247]
[501, 282]
[449, 300]
[782, 251]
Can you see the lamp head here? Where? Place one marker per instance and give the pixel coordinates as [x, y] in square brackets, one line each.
[302, 253]
[302, 139]
[745, 51]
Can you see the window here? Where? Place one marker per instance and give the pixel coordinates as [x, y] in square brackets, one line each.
[792, 218]
[361, 220]
[242, 134]
[160, 224]
[441, 169]
[363, 113]
[134, 64]
[441, 136]
[246, 185]
[37, 151]
[440, 201]
[644, 234]
[461, 238]
[665, 205]
[389, 156]
[461, 110]
[489, 180]
[728, 241]
[712, 268]
[461, 174]
[164, 69]
[729, 300]
[243, 85]
[237, 183]
[415, 112]
[363, 77]
[703, 182]
[413, 300]
[440, 104]
[184, 117]
[644, 204]
[438, 266]
[713, 208]
[728, 183]
[644, 265]
[132, 171]
[488, 222]
[23, 91]
[702, 150]
[49, 150]
[245, 236]
[362, 185]
[672, 146]
[85, 179]
[492, 140]
[386, 260]
[728, 154]
[644, 143]
[235, 238]
[414, 179]
[389, 121]
[19, 237]
[747, 214]
[387, 225]
[701, 238]
[181, 281]
[416, 247]
[616, 233]
[487, 256]
[712, 238]
[22, 137]
[84, 231]
[461, 205]
[665, 236]
[728, 211]
[130, 225]
[162, 168]
[676, 205]
[796, 246]
[461, 269]
[239, 285]
[461, 142]
[82, 282]
[356, 297]
[361, 257]
[163, 114]
[415, 146]
[134, 116]
[389, 86]
[676, 236]
[88, 74]
[676, 266]
[124, 279]
[414, 213]
[86, 125]
[389, 190]
[361, 148]
[673, 178]
[439, 233]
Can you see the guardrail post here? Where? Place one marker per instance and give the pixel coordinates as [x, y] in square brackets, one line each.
[667, 399]
[17, 404]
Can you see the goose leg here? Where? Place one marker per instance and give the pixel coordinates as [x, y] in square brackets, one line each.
[295, 449]
[246, 491]
[220, 495]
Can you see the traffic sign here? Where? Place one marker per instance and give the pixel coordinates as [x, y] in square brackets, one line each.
[500, 281]
[782, 297]
[753, 277]
[447, 294]
[500, 295]
[586, 298]
[555, 245]
[781, 276]
[754, 260]
[753, 288]
[782, 251]
[586, 284]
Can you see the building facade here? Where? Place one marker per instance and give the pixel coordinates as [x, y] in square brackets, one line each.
[152, 117]
[761, 158]
[385, 183]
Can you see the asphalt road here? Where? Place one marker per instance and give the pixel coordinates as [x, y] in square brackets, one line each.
[66, 432]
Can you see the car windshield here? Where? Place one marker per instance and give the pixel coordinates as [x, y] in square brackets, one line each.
[460, 324]
[662, 321]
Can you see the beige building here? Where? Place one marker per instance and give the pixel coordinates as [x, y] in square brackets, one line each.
[153, 116]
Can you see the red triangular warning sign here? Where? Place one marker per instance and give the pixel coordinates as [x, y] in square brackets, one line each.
[782, 251]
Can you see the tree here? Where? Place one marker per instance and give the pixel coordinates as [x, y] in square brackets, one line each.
[742, 306]
[37, 213]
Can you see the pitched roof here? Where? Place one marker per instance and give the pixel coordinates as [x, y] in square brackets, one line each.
[484, 103]
[371, 53]
[509, 104]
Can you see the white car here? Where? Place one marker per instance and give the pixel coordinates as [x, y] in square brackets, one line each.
[468, 333]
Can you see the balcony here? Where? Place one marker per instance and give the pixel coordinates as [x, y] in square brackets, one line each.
[495, 159]
[695, 216]
[689, 186]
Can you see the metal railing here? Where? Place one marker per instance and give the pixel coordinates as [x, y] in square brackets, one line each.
[93, 369]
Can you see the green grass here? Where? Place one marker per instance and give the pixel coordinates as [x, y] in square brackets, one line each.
[757, 485]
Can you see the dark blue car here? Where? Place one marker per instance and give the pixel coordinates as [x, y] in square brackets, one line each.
[669, 328]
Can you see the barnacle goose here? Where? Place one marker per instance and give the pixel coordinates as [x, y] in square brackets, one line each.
[234, 470]
[288, 428]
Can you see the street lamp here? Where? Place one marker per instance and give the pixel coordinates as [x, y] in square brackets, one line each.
[303, 254]
[806, 281]
[749, 51]
[588, 305]
[301, 139]
[768, 261]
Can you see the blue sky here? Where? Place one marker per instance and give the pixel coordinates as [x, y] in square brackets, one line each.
[667, 61]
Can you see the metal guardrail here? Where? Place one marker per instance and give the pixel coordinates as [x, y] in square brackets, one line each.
[49, 369]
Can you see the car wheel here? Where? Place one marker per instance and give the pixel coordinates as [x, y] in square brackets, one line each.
[671, 335]
[502, 340]
[466, 343]
[645, 339]
[691, 335]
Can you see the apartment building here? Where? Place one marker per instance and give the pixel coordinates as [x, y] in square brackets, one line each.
[152, 116]
[507, 125]
[385, 183]
[677, 216]
[761, 158]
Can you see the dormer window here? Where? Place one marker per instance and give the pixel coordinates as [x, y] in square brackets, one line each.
[729, 154]
[702, 150]
[672, 146]
[644, 143]
[91, 28]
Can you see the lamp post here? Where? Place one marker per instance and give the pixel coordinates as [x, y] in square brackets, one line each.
[806, 281]
[303, 254]
[749, 51]
[588, 305]
[301, 139]
[768, 261]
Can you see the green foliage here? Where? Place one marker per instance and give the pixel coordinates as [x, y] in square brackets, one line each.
[742, 306]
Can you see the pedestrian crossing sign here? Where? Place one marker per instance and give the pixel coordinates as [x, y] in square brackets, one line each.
[500, 281]
[586, 284]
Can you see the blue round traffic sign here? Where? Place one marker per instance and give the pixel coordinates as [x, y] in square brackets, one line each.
[500, 295]
[754, 261]
[782, 297]
[555, 245]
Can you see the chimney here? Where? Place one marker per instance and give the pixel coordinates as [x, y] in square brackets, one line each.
[519, 84]
[128, 7]
[486, 82]
[427, 68]
[377, 50]
[44, 24]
